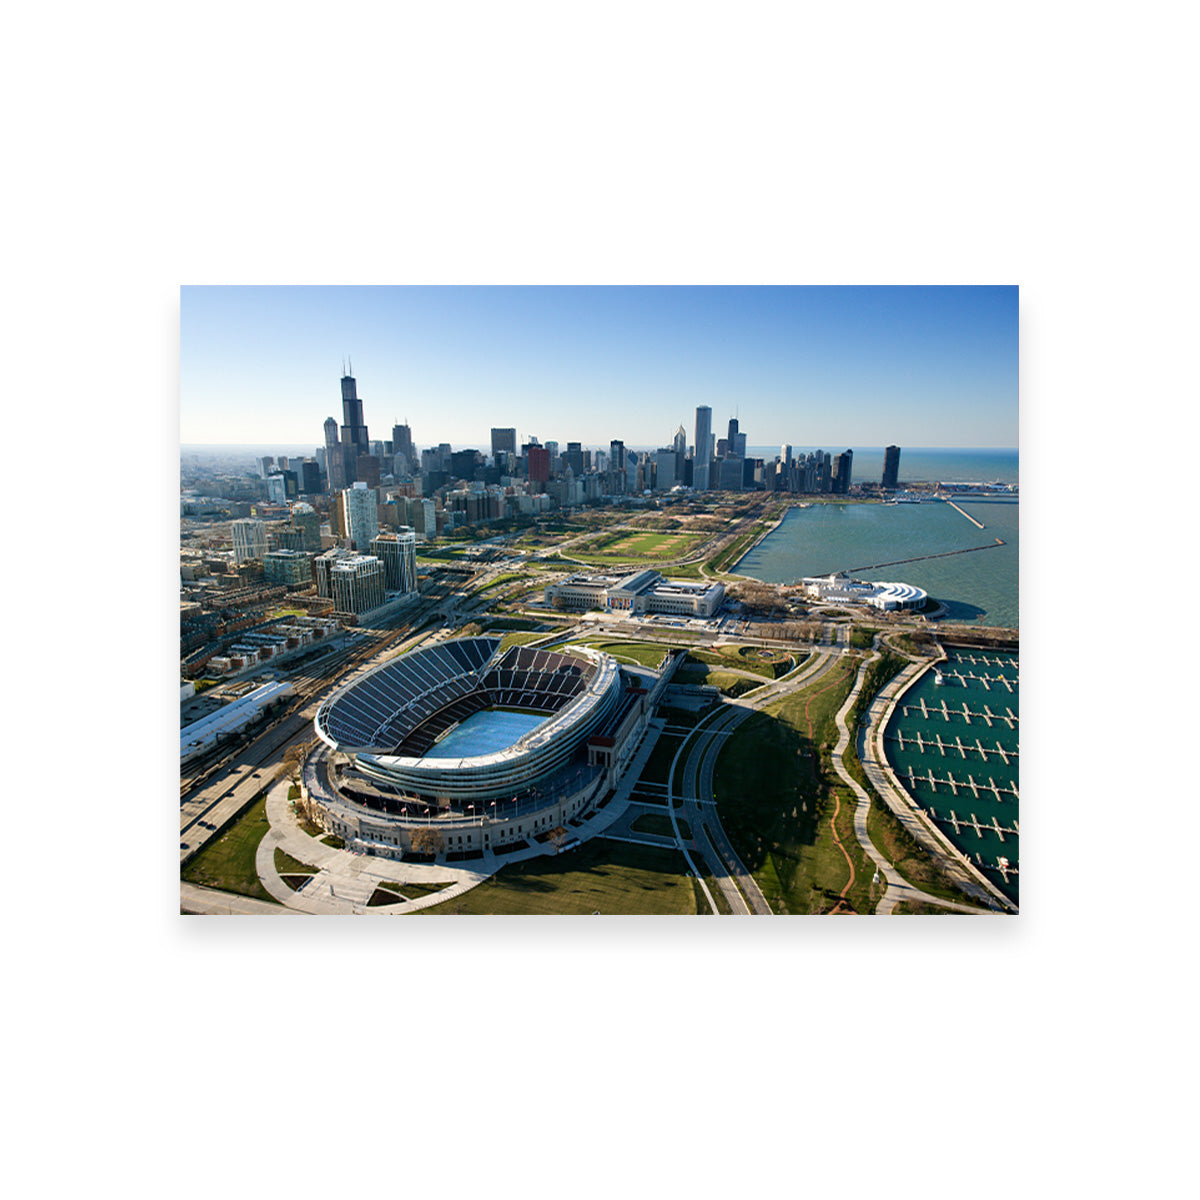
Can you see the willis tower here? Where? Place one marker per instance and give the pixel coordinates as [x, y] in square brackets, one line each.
[354, 432]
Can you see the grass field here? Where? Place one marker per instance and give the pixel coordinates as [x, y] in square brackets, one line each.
[631, 546]
[227, 862]
[612, 878]
[777, 797]
[729, 683]
[647, 654]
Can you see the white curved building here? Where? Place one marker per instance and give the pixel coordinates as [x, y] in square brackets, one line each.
[841, 589]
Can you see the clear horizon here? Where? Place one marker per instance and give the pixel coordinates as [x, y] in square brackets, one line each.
[260, 366]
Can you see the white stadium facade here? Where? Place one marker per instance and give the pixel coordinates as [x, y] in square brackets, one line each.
[491, 748]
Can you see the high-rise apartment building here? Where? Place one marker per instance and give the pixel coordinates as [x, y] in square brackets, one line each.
[842, 465]
[398, 553]
[891, 468]
[249, 539]
[703, 453]
[305, 519]
[360, 515]
[356, 583]
[292, 568]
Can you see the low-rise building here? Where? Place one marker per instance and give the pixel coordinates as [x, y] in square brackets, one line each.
[642, 592]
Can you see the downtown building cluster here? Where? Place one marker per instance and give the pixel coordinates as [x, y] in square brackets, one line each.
[337, 531]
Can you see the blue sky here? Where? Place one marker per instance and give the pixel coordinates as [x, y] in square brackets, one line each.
[830, 366]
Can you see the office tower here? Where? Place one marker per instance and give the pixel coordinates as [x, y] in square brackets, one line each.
[463, 463]
[841, 472]
[355, 440]
[680, 444]
[665, 463]
[282, 462]
[739, 446]
[891, 467]
[265, 465]
[321, 458]
[785, 454]
[732, 437]
[276, 488]
[703, 452]
[538, 459]
[335, 463]
[249, 539]
[616, 455]
[504, 441]
[729, 478]
[398, 553]
[552, 450]
[310, 477]
[402, 442]
[722, 447]
[367, 470]
[360, 516]
[305, 519]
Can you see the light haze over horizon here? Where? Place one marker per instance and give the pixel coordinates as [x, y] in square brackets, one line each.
[845, 366]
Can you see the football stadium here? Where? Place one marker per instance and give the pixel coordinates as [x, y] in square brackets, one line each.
[489, 747]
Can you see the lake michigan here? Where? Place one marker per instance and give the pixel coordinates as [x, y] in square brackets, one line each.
[979, 587]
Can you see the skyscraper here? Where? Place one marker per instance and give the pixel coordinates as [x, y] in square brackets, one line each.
[402, 443]
[504, 441]
[354, 433]
[360, 515]
[335, 465]
[249, 539]
[842, 465]
[703, 451]
[891, 467]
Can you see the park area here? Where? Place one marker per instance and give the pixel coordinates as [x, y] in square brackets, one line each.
[601, 876]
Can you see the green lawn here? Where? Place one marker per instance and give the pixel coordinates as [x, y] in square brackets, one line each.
[777, 792]
[227, 862]
[647, 654]
[285, 864]
[613, 878]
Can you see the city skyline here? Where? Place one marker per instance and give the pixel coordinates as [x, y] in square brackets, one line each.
[931, 366]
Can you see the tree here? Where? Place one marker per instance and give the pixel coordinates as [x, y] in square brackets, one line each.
[427, 840]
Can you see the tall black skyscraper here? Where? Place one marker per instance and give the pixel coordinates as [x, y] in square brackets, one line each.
[842, 466]
[891, 467]
[354, 432]
[402, 443]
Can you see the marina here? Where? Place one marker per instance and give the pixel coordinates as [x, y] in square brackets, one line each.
[955, 749]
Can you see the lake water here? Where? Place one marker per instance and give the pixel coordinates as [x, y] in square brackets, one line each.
[873, 541]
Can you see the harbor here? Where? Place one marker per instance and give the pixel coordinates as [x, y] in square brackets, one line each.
[953, 743]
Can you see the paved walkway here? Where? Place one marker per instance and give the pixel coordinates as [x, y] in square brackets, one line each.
[898, 888]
